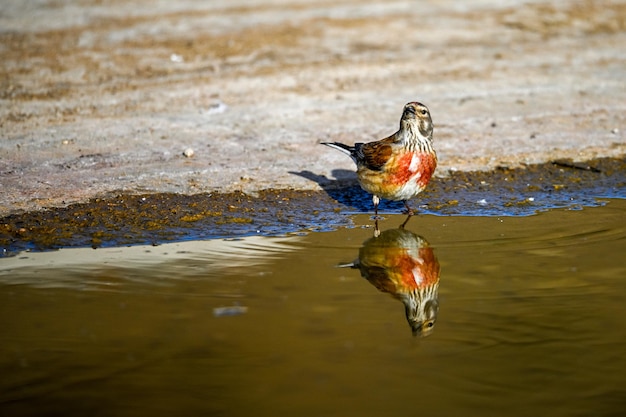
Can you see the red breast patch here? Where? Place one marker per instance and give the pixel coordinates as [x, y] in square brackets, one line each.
[414, 164]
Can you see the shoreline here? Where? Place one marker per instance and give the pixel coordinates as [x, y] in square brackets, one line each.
[154, 218]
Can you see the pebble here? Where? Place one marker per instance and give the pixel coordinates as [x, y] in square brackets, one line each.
[188, 152]
[176, 58]
[218, 107]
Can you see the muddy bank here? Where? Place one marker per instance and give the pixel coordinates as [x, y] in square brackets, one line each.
[98, 97]
[159, 218]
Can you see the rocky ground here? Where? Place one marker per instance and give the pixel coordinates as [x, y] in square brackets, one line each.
[105, 96]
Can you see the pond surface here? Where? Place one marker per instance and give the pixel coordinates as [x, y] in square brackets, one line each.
[450, 316]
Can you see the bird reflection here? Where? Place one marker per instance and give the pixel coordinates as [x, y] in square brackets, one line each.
[401, 263]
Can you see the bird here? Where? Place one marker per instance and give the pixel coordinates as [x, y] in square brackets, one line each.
[400, 166]
[403, 264]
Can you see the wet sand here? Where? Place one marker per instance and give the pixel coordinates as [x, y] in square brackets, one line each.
[165, 217]
[100, 98]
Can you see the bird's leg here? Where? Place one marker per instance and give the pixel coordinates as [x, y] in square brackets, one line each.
[376, 201]
[409, 210]
[405, 222]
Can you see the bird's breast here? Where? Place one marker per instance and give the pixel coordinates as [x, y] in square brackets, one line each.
[403, 176]
[418, 166]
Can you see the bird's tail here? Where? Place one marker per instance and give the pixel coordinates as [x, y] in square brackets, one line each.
[347, 149]
[354, 265]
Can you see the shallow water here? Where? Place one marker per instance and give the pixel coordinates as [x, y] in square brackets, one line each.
[513, 316]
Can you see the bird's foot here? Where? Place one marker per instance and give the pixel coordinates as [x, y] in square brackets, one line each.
[409, 211]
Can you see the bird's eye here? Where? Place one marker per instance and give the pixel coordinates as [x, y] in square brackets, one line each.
[424, 112]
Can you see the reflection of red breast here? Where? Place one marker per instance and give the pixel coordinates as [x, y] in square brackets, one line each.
[417, 272]
[399, 261]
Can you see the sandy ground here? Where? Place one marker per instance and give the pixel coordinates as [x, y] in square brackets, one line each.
[100, 96]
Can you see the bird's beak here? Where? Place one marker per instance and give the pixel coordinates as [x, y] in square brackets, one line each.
[410, 110]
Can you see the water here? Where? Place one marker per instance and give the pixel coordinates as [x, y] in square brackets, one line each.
[513, 316]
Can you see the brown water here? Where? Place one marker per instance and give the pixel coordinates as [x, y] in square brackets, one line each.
[523, 316]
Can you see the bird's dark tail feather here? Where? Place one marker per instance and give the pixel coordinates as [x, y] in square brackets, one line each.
[347, 149]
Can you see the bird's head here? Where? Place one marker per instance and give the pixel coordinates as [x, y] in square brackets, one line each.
[417, 115]
[422, 314]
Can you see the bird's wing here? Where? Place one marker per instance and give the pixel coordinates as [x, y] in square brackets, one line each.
[374, 155]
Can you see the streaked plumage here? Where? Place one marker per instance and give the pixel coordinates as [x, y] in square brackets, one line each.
[400, 166]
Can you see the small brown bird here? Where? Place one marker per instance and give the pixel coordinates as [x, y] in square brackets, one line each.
[398, 167]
